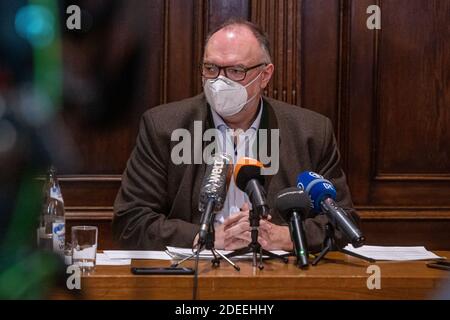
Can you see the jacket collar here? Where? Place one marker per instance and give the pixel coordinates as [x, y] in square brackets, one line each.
[268, 117]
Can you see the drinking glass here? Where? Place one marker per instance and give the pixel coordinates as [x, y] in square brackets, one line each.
[84, 247]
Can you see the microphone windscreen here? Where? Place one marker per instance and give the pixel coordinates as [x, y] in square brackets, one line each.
[247, 169]
[317, 187]
[291, 199]
[216, 181]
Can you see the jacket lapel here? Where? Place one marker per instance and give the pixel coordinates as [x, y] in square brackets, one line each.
[268, 122]
[200, 169]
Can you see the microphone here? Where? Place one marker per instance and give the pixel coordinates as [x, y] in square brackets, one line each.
[248, 178]
[213, 191]
[323, 195]
[293, 204]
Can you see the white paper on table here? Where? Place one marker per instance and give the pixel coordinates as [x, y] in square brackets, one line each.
[103, 260]
[394, 253]
[180, 253]
[139, 255]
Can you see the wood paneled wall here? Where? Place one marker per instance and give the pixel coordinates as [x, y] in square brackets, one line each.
[386, 91]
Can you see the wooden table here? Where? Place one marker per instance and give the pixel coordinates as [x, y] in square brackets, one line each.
[338, 277]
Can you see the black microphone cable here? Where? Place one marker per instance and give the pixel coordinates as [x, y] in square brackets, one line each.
[197, 258]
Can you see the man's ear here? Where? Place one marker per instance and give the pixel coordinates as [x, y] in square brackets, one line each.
[266, 75]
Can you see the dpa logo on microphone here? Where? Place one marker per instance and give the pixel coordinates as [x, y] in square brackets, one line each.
[315, 175]
[328, 186]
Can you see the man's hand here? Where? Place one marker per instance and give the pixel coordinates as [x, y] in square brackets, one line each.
[274, 237]
[219, 238]
[235, 233]
[237, 229]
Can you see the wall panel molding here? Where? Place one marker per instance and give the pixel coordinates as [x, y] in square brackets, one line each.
[412, 177]
[381, 143]
[282, 22]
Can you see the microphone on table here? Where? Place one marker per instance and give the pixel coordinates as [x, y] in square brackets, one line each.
[213, 191]
[248, 178]
[294, 204]
[323, 196]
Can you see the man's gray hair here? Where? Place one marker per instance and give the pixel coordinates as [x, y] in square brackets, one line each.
[257, 31]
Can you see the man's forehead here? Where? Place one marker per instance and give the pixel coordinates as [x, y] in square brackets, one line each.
[233, 45]
[234, 33]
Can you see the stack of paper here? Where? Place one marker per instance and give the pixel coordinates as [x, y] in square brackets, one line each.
[139, 255]
[393, 253]
[102, 259]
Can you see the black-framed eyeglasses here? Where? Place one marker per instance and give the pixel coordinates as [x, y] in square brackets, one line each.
[235, 73]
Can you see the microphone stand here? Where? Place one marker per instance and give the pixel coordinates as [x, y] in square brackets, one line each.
[255, 246]
[208, 244]
[298, 237]
[330, 245]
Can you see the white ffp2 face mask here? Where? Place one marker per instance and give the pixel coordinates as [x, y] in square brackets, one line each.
[225, 96]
